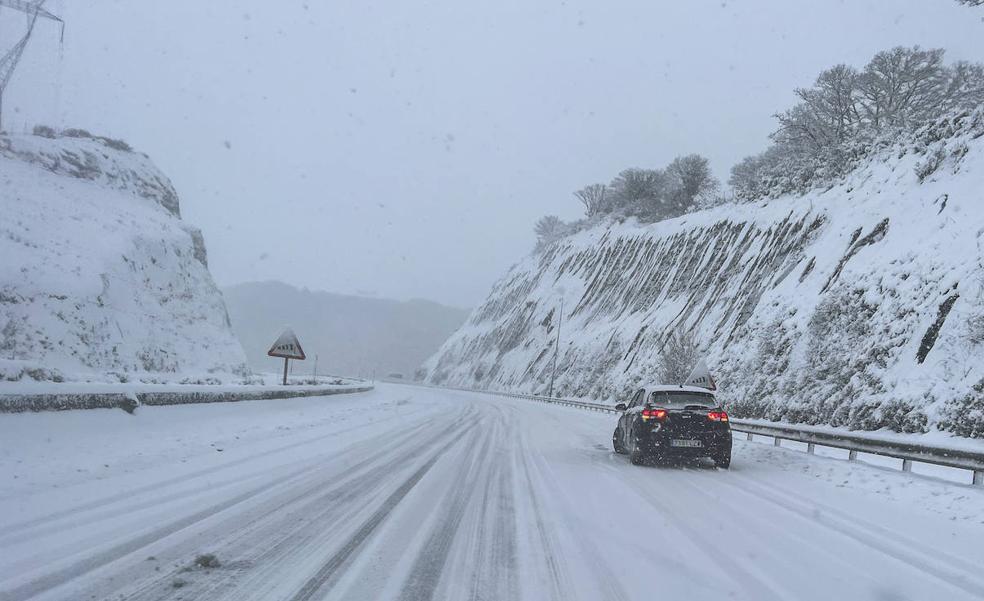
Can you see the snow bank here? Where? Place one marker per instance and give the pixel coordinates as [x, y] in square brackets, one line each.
[100, 279]
[857, 306]
[66, 397]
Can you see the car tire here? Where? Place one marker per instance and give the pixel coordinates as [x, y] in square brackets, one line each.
[615, 445]
[637, 457]
[722, 458]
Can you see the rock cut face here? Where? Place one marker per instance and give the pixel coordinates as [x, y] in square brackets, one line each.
[853, 305]
[101, 279]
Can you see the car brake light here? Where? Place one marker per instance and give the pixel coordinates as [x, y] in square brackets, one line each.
[717, 416]
[657, 414]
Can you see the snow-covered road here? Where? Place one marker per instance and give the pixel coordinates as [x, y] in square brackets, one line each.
[412, 493]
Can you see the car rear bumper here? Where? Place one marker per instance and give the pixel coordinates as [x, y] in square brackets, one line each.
[661, 444]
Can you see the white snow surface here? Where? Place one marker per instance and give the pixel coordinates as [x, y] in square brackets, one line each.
[810, 308]
[258, 383]
[100, 279]
[413, 493]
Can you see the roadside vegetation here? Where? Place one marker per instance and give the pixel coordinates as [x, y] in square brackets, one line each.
[842, 119]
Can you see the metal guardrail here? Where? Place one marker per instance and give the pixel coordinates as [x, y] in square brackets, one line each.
[908, 452]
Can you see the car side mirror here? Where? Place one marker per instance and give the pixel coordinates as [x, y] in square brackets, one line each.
[620, 407]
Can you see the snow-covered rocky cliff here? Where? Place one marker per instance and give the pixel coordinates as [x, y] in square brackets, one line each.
[99, 277]
[859, 305]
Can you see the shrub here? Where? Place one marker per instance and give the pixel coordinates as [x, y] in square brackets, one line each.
[965, 416]
[44, 131]
[73, 132]
[116, 144]
[975, 329]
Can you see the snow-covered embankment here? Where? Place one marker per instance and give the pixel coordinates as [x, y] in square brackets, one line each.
[101, 280]
[860, 305]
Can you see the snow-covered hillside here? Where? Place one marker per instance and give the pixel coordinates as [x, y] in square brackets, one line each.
[860, 305]
[99, 278]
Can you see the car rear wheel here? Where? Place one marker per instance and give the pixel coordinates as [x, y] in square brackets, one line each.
[615, 444]
[637, 457]
[722, 458]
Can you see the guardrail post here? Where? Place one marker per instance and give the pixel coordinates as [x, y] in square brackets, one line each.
[810, 448]
[852, 455]
[748, 436]
[778, 442]
[979, 477]
[906, 465]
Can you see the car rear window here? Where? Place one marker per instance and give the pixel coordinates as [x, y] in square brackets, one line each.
[681, 399]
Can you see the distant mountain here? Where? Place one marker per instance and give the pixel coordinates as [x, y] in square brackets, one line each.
[351, 335]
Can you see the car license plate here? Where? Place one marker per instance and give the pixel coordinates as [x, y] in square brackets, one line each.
[685, 443]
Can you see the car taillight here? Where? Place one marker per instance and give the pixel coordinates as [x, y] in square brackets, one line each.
[657, 414]
[717, 416]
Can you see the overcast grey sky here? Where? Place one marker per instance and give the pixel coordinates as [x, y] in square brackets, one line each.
[404, 149]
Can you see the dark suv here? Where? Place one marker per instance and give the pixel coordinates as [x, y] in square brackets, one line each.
[664, 422]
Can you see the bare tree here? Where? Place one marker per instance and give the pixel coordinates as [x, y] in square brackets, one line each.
[902, 87]
[593, 198]
[678, 357]
[964, 87]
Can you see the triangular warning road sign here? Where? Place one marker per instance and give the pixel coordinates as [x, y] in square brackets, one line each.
[287, 346]
[701, 376]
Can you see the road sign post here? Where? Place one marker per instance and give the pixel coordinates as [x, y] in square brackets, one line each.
[289, 347]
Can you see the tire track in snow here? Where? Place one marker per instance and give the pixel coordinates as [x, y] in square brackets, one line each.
[494, 542]
[122, 498]
[66, 574]
[753, 525]
[93, 562]
[608, 583]
[877, 539]
[114, 513]
[425, 575]
[760, 589]
[496, 561]
[875, 529]
[559, 579]
[320, 505]
[327, 575]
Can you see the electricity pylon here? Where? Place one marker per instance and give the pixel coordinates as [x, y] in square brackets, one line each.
[8, 62]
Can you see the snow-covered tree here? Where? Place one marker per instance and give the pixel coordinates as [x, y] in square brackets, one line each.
[637, 192]
[902, 87]
[846, 113]
[694, 184]
[548, 230]
[752, 177]
[828, 113]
